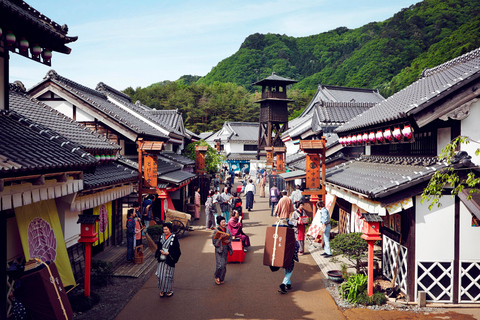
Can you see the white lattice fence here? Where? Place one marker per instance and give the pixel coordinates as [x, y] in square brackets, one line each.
[469, 282]
[390, 250]
[436, 279]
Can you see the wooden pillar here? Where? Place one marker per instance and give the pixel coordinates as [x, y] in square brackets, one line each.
[280, 153]
[269, 153]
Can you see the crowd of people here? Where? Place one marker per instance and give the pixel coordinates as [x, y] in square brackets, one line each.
[224, 216]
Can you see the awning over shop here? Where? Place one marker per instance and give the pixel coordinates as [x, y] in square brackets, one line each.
[177, 177]
[292, 175]
[26, 193]
[98, 198]
[365, 204]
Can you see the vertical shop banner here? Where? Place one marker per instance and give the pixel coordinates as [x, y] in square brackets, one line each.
[150, 171]
[104, 223]
[42, 237]
[313, 171]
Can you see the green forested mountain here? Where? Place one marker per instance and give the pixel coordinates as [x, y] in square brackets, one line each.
[387, 55]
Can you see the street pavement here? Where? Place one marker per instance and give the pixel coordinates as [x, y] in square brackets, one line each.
[250, 290]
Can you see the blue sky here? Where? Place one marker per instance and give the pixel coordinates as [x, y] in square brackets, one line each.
[137, 43]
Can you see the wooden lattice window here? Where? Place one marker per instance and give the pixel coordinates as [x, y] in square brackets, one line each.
[344, 223]
[469, 282]
[435, 278]
[390, 261]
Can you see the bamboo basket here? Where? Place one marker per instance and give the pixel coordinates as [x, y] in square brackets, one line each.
[177, 215]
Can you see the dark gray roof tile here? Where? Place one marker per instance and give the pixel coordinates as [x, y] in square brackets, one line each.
[108, 174]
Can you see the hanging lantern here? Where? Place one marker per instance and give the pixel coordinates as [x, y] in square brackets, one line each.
[47, 55]
[102, 157]
[397, 134]
[407, 132]
[10, 38]
[341, 140]
[379, 136]
[354, 139]
[371, 137]
[23, 44]
[36, 50]
[97, 156]
[349, 140]
[387, 134]
[359, 138]
[365, 137]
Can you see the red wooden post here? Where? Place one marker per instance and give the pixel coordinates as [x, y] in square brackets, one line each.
[88, 235]
[371, 233]
[162, 195]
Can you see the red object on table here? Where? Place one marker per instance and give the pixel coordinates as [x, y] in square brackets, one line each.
[238, 253]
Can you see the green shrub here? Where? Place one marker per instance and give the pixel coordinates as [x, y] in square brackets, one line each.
[101, 273]
[355, 284]
[377, 299]
[350, 246]
[333, 223]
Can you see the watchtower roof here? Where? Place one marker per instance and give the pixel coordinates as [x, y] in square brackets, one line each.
[274, 79]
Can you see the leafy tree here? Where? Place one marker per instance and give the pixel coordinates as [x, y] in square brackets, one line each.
[213, 159]
[352, 247]
[450, 177]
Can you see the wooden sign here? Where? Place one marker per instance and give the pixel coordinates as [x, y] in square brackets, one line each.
[269, 151]
[150, 171]
[313, 171]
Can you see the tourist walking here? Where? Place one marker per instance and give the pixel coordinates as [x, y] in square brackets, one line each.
[286, 283]
[130, 235]
[223, 247]
[224, 200]
[297, 196]
[209, 211]
[298, 220]
[236, 229]
[249, 193]
[325, 228]
[274, 197]
[262, 187]
[167, 254]
[197, 203]
[216, 203]
[284, 207]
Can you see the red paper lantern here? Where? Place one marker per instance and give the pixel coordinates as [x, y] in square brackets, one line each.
[354, 139]
[365, 137]
[371, 137]
[349, 140]
[359, 138]
[387, 134]
[407, 132]
[397, 134]
[379, 136]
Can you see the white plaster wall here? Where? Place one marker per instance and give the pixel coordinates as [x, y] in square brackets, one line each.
[62, 106]
[291, 148]
[72, 228]
[471, 129]
[469, 236]
[233, 147]
[368, 150]
[434, 235]
[83, 116]
[444, 136]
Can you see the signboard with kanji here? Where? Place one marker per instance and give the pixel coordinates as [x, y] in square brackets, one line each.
[313, 171]
[150, 171]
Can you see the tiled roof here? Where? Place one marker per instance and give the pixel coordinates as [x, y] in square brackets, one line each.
[103, 87]
[27, 147]
[178, 158]
[63, 125]
[379, 176]
[108, 174]
[274, 78]
[99, 101]
[177, 177]
[166, 166]
[236, 131]
[205, 135]
[242, 156]
[137, 109]
[340, 112]
[433, 84]
[39, 28]
[171, 118]
[342, 94]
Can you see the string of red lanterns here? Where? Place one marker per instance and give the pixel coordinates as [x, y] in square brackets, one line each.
[380, 136]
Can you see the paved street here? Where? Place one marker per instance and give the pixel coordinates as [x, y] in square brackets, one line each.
[250, 289]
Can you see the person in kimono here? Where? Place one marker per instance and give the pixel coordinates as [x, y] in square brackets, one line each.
[284, 207]
[197, 203]
[299, 226]
[167, 255]
[209, 211]
[223, 247]
[130, 235]
[236, 229]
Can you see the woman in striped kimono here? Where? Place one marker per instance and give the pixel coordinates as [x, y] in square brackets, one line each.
[167, 254]
[222, 248]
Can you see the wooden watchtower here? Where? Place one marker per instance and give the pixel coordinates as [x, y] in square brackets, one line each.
[273, 115]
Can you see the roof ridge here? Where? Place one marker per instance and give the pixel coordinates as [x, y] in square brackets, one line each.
[102, 86]
[474, 54]
[53, 75]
